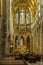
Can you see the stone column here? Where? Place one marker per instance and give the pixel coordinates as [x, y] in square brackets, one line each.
[2, 20]
[12, 30]
[0, 28]
[41, 37]
[7, 40]
[2, 17]
[34, 41]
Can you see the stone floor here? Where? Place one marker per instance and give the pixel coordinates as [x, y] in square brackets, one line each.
[37, 63]
[12, 61]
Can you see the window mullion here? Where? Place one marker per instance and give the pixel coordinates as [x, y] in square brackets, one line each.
[19, 20]
[25, 20]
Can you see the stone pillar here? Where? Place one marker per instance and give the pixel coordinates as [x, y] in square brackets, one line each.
[36, 44]
[34, 41]
[3, 26]
[38, 40]
[41, 38]
[8, 27]
[2, 20]
[12, 30]
[0, 28]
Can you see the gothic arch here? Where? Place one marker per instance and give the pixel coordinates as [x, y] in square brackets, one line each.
[19, 4]
[21, 40]
[28, 42]
[16, 42]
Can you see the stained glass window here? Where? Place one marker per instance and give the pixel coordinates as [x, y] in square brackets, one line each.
[22, 17]
[16, 18]
[27, 17]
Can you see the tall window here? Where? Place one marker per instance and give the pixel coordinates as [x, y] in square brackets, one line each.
[21, 41]
[27, 17]
[22, 17]
[16, 18]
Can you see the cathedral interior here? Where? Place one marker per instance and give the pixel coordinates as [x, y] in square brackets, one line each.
[21, 27]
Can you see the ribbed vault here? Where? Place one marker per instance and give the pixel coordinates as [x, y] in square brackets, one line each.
[30, 4]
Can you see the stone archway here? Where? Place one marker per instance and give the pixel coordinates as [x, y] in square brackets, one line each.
[23, 43]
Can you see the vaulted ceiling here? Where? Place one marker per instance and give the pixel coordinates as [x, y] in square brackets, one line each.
[31, 4]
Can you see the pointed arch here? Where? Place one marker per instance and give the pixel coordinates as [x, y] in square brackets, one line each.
[21, 40]
[16, 42]
[28, 42]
